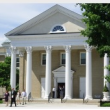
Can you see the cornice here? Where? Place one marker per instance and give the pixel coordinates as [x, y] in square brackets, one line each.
[50, 36]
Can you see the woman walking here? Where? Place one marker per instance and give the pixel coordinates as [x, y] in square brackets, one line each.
[18, 97]
[6, 97]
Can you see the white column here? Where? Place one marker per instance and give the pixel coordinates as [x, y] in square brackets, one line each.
[55, 85]
[106, 71]
[88, 72]
[28, 70]
[13, 67]
[48, 72]
[68, 73]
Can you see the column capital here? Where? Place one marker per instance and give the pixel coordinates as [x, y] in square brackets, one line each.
[67, 48]
[21, 53]
[13, 49]
[87, 47]
[28, 49]
[48, 48]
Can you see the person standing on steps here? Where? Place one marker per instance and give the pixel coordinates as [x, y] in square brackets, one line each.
[53, 92]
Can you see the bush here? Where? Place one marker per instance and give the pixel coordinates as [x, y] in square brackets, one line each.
[105, 89]
[105, 104]
[1, 101]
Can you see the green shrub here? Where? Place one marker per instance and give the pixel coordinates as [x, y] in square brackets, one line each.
[105, 104]
[105, 89]
[1, 101]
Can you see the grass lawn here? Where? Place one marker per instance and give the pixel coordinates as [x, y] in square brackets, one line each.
[105, 104]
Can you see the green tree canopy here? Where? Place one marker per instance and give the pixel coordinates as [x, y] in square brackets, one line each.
[5, 73]
[97, 21]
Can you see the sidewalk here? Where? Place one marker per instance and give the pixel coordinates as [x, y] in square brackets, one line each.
[51, 106]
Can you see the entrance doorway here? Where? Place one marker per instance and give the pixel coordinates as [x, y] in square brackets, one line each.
[58, 90]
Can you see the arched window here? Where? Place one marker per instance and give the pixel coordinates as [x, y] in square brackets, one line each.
[57, 29]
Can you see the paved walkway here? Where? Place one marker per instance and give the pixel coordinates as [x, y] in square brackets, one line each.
[51, 106]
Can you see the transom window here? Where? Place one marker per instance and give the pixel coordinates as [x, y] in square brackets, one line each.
[43, 59]
[82, 58]
[17, 61]
[58, 28]
[62, 58]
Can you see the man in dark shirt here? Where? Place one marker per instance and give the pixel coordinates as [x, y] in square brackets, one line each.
[13, 97]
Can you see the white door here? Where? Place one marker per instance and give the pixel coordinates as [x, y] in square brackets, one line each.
[42, 87]
[82, 87]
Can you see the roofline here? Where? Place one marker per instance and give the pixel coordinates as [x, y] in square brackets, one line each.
[39, 18]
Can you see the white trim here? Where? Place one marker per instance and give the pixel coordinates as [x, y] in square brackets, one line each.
[41, 59]
[61, 58]
[80, 58]
[51, 31]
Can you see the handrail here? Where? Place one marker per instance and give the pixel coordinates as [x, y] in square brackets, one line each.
[49, 97]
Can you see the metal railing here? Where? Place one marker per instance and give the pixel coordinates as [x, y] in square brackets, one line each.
[50, 99]
[30, 98]
[85, 100]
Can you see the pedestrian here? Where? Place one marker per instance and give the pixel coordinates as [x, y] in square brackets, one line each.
[18, 97]
[53, 92]
[63, 89]
[23, 94]
[6, 96]
[13, 97]
[61, 93]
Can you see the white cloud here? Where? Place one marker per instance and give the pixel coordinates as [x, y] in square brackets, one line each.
[2, 39]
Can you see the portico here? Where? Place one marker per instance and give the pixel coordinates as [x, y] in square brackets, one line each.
[63, 74]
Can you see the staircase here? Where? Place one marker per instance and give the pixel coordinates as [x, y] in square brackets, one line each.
[74, 101]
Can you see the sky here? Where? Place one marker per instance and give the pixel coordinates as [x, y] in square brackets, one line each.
[15, 14]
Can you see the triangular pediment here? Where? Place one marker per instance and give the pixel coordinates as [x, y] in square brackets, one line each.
[61, 70]
[45, 21]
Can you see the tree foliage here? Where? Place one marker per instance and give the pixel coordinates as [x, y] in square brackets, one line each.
[5, 73]
[97, 21]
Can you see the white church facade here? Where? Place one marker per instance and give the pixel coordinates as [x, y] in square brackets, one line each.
[53, 53]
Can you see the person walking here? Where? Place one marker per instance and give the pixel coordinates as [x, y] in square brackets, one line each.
[18, 97]
[6, 96]
[13, 97]
[23, 94]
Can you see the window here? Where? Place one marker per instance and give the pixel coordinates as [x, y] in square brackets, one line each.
[82, 58]
[58, 28]
[43, 62]
[17, 61]
[62, 58]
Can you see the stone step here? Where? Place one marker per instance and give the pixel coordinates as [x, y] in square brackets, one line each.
[94, 101]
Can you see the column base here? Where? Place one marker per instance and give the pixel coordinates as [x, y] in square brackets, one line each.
[46, 97]
[88, 98]
[67, 97]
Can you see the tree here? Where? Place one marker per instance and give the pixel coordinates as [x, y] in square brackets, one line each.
[5, 73]
[97, 21]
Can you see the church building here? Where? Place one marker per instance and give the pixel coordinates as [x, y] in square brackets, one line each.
[53, 53]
